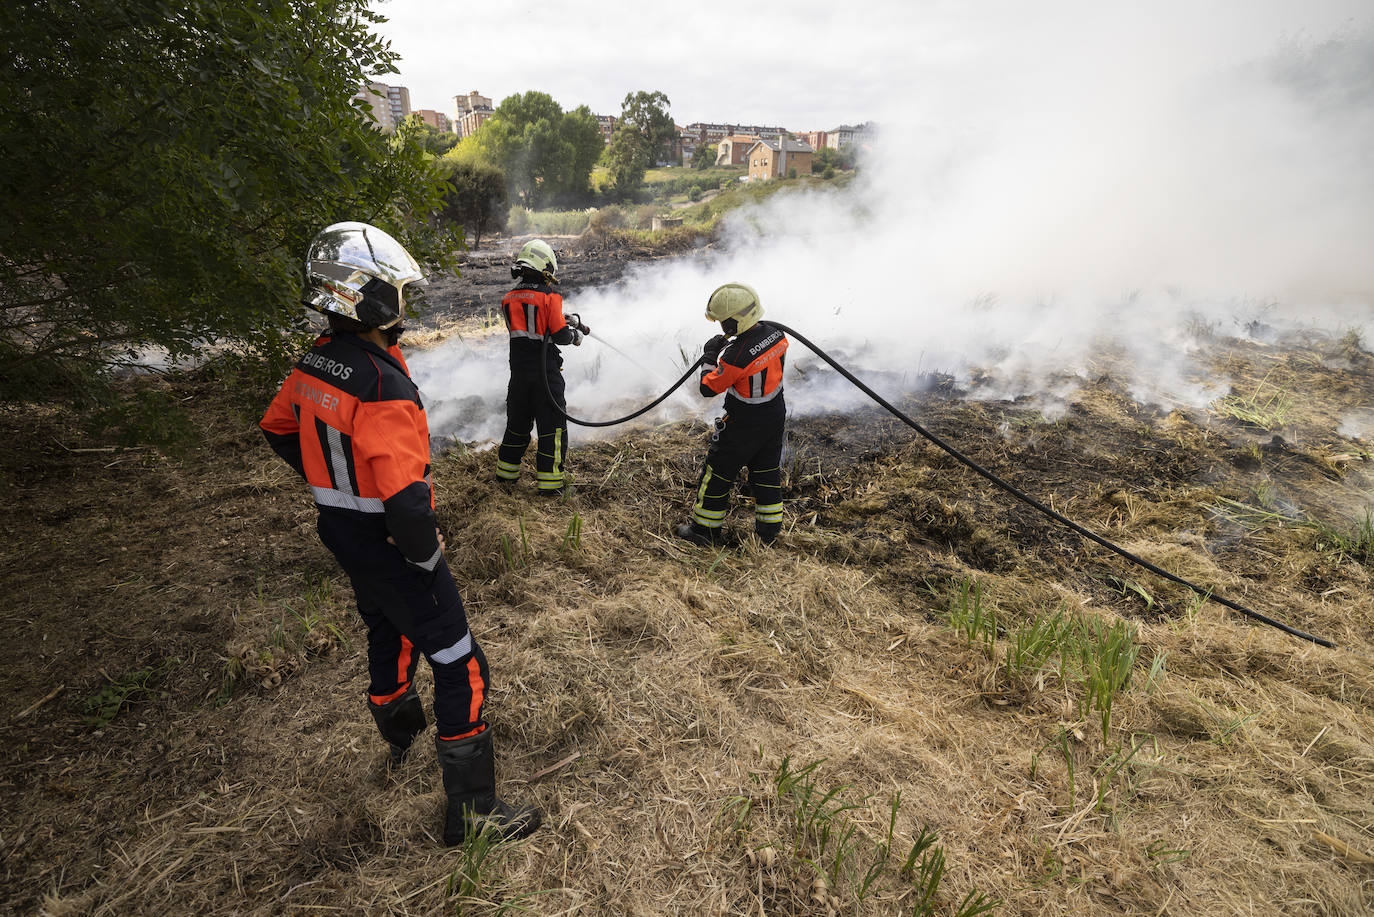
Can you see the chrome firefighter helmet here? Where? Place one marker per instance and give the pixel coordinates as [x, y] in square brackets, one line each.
[736, 306]
[538, 256]
[358, 271]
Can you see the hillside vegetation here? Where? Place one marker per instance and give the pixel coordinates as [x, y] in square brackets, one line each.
[925, 699]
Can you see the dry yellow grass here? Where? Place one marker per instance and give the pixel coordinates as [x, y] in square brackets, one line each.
[645, 689]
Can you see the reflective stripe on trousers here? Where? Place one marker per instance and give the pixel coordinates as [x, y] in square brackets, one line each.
[713, 496]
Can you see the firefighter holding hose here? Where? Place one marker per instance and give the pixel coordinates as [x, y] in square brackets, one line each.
[532, 311]
[745, 363]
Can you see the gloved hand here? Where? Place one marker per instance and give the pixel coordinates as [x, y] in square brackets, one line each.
[712, 348]
[576, 338]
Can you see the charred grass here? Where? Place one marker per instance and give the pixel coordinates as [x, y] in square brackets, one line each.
[798, 729]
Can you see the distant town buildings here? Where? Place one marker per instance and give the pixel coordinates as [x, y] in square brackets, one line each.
[711, 134]
[761, 148]
[840, 137]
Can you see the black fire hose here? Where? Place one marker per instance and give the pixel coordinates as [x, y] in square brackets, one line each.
[970, 463]
[1058, 517]
[544, 368]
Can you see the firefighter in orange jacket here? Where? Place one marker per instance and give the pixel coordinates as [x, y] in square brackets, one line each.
[746, 364]
[350, 421]
[532, 311]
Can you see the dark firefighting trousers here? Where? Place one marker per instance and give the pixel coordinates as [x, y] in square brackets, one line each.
[528, 405]
[750, 439]
[409, 613]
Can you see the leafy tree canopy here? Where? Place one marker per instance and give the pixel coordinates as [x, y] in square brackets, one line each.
[476, 197]
[167, 164]
[644, 134]
[431, 139]
[829, 157]
[647, 114]
[546, 153]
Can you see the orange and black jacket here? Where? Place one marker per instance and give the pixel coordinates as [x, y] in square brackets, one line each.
[350, 421]
[530, 310]
[749, 369]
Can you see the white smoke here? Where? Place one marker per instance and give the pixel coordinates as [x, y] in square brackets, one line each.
[1043, 192]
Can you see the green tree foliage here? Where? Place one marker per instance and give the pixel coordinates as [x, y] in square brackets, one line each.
[627, 159]
[830, 158]
[432, 140]
[705, 158]
[645, 134]
[476, 199]
[547, 154]
[166, 165]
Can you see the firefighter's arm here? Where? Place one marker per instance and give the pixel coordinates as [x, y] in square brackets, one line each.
[717, 379]
[560, 332]
[412, 526]
[283, 431]
[392, 441]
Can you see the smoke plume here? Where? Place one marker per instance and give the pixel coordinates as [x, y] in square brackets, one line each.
[1040, 193]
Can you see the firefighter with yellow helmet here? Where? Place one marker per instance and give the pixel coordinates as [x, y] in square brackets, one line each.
[532, 310]
[745, 363]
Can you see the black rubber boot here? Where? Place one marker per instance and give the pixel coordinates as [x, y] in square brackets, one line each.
[469, 768]
[767, 531]
[700, 534]
[399, 722]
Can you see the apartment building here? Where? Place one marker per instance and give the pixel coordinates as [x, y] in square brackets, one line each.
[435, 119]
[469, 111]
[390, 104]
[473, 101]
[711, 133]
[607, 125]
[849, 134]
[686, 146]
[375, 97]
[398, 98]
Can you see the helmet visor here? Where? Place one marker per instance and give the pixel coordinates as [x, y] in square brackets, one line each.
[343, 248]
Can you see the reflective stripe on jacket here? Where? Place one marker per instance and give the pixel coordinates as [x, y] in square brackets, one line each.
[529, 311]
[350, 421]
[750, 367]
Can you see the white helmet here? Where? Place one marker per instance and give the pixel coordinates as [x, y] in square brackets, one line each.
[358, 271]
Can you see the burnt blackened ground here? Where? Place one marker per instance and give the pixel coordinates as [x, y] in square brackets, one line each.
[484, 276]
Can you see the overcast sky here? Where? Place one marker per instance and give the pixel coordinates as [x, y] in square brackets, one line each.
[1054, 180]
[808, 64]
